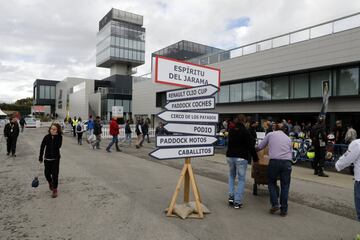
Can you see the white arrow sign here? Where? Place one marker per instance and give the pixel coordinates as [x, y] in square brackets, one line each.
[176, 116]
[195, 92]
[195, 104]
[169, 153]
[207, 130]
[175, 141]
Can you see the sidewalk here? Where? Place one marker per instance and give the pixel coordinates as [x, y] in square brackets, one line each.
[301, 173]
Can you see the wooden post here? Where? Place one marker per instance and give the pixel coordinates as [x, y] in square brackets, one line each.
[187, 182]
[176, 193]
[186, 176]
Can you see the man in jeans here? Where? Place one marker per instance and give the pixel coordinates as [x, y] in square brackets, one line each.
[280, 165]
[240, 149]
[352, 155]
[114, 132]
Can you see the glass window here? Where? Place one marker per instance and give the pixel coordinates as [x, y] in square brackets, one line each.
[126, 105]
[236, 92]
[347, 82]
[42, 92]
[122, 53]
[280, 88]
[224, 94]
[118, 102]
[316, 79]
[263, 89]
[126, 43]
[299, 86]
[53, 94]
[122, 42]
[60, 94]
[47, 92]
[110, 104]
[126, 53]
[249, 89]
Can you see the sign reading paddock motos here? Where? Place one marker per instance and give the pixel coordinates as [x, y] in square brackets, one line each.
[179, 73]
[175, 141]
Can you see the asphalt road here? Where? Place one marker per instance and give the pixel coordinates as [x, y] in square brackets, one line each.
[123, 196]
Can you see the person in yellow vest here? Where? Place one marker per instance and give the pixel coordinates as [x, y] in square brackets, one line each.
[74, 123]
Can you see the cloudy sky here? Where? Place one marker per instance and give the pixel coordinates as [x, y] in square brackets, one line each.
[57, 39]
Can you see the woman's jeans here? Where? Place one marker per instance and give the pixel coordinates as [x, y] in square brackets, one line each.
[237, 168]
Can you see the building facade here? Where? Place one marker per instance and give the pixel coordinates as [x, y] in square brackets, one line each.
[44, 93]
[120, 47]
[282, 77]
[120, 42]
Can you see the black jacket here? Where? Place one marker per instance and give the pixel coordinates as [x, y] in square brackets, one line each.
[11, 130]
[318, 135]
[51, 145]
[127, 128]
[241, 144]
[145, 128]
[97, 128]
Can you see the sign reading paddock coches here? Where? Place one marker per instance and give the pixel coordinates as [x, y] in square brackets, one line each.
[179, 73]
[194, 104]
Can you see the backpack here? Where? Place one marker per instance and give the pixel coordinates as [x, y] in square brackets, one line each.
[78, 128]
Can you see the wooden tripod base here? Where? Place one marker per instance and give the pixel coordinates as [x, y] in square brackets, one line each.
[186, 176]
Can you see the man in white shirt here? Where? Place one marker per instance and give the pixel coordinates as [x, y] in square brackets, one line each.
[352, 155]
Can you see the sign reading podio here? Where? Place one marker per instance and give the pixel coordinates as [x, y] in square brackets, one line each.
[179, 73]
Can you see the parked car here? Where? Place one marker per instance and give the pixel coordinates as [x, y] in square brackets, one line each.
[30, 122]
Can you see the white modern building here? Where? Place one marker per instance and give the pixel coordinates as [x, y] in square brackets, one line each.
[281, 77]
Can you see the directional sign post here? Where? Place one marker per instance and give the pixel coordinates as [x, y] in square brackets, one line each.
[193, 104]
[182, 140]
[195, 92]
[204, 82]
[191, 117]
[164, 153]
[199, 129]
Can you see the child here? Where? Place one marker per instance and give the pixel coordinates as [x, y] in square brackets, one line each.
[52, 144]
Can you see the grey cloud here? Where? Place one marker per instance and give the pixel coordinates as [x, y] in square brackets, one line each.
[7, 68]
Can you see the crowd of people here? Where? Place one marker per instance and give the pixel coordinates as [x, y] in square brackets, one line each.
[242, 148]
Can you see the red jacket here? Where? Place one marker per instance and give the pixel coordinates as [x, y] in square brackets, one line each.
[114, 128]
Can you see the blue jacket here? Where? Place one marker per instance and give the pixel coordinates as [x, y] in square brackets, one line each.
[90, 124]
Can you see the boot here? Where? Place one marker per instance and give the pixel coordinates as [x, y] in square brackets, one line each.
[51, 186]
[54, 193]
[117, 148]
[321, 173]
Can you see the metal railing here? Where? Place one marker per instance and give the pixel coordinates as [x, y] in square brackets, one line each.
[304, 34]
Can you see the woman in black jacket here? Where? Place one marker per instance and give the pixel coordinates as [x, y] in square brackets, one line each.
[52, 144]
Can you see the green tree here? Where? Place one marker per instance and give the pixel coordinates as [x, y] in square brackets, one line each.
[24, 102]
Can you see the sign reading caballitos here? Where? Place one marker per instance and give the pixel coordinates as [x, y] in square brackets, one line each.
[179, 73]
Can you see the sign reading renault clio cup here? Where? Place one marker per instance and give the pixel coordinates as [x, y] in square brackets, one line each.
[195, 131]
[184, 74]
